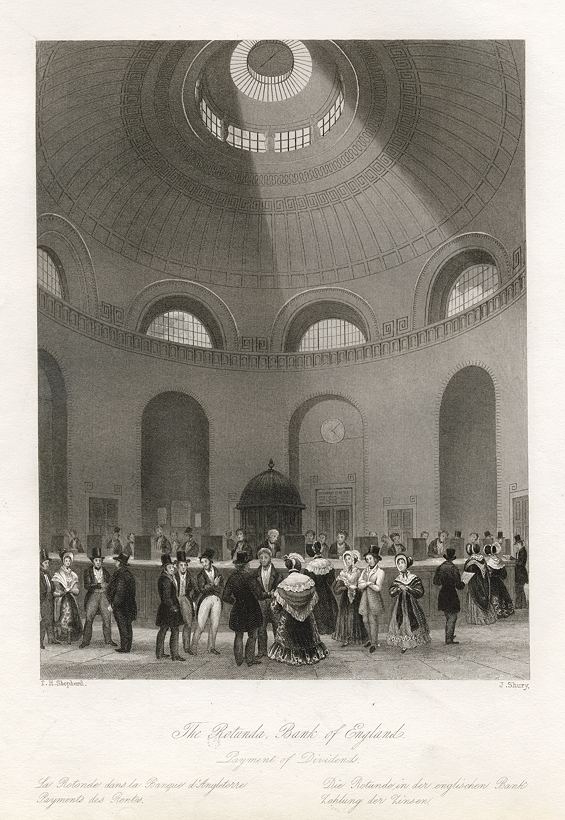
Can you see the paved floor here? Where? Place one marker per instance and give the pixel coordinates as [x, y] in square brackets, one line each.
[497, 652]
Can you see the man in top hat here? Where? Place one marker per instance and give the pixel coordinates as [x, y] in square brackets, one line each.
[339, 546]
[114, 544]
[190, 545]
[169, 615]
[209, 602]
[121, 595]
[186, 592]
[266, 579]
[245, 615]
[95, 580]
[46, 626]
[447, 577]
[272, 542]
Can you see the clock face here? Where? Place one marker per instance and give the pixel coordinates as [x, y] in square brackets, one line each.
[270, 58]
[333, 431]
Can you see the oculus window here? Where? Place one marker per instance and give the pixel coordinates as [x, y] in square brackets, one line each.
[331, 333]
[270, 70]
[181, 327]
[50, 273]
[474, 284]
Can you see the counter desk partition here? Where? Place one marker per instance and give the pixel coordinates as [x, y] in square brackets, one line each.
[146, 574]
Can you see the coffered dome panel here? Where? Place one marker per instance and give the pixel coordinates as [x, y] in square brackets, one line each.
[427, 135]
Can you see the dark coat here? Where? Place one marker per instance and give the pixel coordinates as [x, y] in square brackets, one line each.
[169, 613]
[205, 588]
[447, 576]
[189, 589]
[274, 581]
[191, 547]
[121, 593]
[275, 548]
[45, 592]
[90, 584]
[334, 548]
[521, 572]
[245, 615]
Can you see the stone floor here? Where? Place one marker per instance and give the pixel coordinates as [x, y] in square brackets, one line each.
[497, 652]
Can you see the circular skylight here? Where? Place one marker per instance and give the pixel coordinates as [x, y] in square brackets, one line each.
[270, 70]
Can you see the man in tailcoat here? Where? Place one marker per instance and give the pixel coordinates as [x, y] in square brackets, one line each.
[186, 594]
[95, 580]
[46, 627]
[266, 579]
[169, 615]
[121, 595]
[245, 615]
[447, 577]
[209, 585]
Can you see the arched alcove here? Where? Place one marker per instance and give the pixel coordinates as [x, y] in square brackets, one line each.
[52, 434]
[175, 462]
[326, 463]
[467, 452]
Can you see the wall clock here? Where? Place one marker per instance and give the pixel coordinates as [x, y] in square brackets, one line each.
[333, 431]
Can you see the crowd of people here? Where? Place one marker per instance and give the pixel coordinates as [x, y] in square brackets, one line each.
[310, 604]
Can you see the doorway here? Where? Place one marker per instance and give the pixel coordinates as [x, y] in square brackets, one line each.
[334, 512]
[401, 521]
[520, 517]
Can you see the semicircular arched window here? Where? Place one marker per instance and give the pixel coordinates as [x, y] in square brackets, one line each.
[331, 333]
[474, 284]
[50, 273]
[181, 327]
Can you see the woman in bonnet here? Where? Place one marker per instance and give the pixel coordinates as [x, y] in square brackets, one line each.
[349, 628]
[408, 627]
[68, 625]
[320, 570]
[297, 640]
[499, 595]
[478, 608]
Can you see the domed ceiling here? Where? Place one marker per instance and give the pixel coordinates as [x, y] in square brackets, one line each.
[427, 134]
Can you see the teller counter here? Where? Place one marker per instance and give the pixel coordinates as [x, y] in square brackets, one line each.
[146, 574]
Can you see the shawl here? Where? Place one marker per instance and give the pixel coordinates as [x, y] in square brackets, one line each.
[296, 594]
[66, 578]
[349, 577]
[477, 561]
[319, 566]
[407, 579]
[494, 562]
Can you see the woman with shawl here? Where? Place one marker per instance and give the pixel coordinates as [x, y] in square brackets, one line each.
[349, 628]
[297, 640]
[68, 625]
[320, 570]
[499, 596]
[478, 608]
[408, 627]
[521, 574]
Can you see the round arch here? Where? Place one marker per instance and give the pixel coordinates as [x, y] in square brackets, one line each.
[443, 267]
[308, 307]
[197, 299]
[57, 235]
[53, 446]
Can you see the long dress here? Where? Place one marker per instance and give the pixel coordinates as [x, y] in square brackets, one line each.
[325, 611]
[349, 626]
[499, 595]
[408, 627]
[521, 578]
[297, 640]
[68, 625]
[478, 607]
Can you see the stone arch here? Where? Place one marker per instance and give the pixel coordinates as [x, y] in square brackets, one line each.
[312, 305]
[61, 237]
[437, 412]
[204, 301]
[53, 438]
[481, 243]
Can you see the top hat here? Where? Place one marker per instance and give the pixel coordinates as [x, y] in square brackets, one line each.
[500, 534]
[518, 539]
[96, 553]
[119, 556]
[43, 555]
[457, 533]
[241, 558]
[374, 550]
[181, 556]
[166, 559]
[449, 554]
[487, 534]
[209, 553]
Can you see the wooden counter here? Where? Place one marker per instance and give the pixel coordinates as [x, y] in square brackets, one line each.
[146, 574]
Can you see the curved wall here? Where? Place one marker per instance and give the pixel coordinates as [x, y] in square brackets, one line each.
[249, 413]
